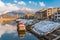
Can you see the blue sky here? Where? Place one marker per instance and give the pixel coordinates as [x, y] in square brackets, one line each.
[32, 4]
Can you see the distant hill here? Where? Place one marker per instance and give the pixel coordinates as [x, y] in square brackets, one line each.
[6, 16]
[14, 13]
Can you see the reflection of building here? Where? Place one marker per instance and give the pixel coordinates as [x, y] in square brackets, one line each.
[46, 13]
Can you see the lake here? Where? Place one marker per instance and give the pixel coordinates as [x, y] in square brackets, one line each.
[9, 32]
[29, 36]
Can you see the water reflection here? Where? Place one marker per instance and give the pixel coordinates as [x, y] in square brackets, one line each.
[21, 35]
[29, 36]
[14, 36]
[9, 32]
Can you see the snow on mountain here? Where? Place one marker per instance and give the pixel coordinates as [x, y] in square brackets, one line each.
[27, 10]
[14, 13]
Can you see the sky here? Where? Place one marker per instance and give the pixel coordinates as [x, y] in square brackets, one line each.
[30, 5]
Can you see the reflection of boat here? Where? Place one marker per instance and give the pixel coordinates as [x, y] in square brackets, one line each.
[21, 29]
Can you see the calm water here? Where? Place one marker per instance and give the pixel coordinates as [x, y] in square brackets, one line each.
[29, 36]
[9, 32]
[15, 37]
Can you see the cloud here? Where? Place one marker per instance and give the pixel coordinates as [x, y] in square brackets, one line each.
[7, 7]
[12, 7]
[31, 2]
[28, 9]
[41, 3]
[15, 1]
[22, 3]
[1, 4]
[50, 7]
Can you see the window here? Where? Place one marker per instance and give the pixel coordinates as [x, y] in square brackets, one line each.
[54, 8]
[55, 16]
[48, 11]
[58, 16]
[58, 13]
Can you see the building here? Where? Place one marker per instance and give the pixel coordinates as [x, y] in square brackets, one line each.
[29, 16]
[56, 16]
[38, 15]
[42, 14]
[46, 13]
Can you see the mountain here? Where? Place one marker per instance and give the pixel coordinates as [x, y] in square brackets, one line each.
[14, 13]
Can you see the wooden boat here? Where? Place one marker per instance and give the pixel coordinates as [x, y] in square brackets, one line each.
[21, 29]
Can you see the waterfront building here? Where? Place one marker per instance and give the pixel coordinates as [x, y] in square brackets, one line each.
[46, 13]
[29, 16]
[57, 15]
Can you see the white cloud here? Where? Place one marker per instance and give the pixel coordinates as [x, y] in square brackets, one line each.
[41, 3]
[31, 2]
[28, 9]
[22, 3]
[50, 7]
[12, 7]
[7, 7]
[25, 8]
[1, 4]
[9, 4]
[15, 1]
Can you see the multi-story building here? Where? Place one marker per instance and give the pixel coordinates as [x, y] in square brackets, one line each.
[57, 15]
[38, 15]
[47, 13]
[29, 16]
[41, 14]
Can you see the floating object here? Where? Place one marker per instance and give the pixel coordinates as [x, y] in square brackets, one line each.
[21, 29]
